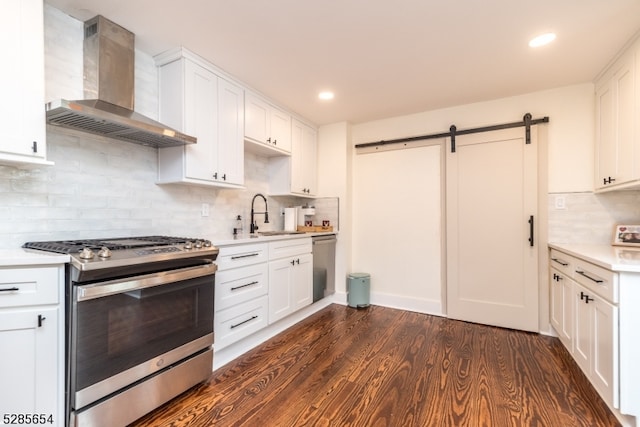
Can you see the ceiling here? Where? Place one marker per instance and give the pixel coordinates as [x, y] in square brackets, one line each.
[382, 58]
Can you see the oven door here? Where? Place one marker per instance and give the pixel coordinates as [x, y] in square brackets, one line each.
[125, 330]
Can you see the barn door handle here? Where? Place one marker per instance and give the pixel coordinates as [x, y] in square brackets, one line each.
[530, 230]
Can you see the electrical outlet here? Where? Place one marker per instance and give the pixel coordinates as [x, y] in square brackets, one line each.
[560, 203]
[204, 211]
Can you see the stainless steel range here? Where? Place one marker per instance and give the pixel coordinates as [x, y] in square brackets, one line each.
[139, 317]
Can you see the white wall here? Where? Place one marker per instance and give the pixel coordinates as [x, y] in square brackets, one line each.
[334, 179]
[570, 130]
[397, 226]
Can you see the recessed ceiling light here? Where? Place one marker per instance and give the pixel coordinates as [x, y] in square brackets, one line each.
[326, 95]
[542, 40]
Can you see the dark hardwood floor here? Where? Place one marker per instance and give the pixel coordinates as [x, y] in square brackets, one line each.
[386, 367]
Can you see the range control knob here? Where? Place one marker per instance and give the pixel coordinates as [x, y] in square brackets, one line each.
[86, 253]
[104, 252]
[188, 245]
[198, 244]
[206, 243]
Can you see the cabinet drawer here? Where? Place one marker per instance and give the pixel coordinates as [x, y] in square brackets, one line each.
[287, 248]
[241, 255]
[240, 321]
[597, 279]
[561, 262]
[29, 286]
[239, 285]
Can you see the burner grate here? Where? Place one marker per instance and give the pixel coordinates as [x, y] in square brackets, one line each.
[118, 243]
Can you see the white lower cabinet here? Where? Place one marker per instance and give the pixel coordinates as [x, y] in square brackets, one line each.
[562, 307]
[594, 312]
[596, 344]
[258, 284]
[241, 293]
[290, 277]
[31, 343]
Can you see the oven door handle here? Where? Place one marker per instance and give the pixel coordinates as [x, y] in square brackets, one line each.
[113, 287]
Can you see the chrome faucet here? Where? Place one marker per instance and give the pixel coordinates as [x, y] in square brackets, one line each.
[254, 226]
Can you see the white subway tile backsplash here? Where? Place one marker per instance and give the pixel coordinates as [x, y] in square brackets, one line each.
[590, 218]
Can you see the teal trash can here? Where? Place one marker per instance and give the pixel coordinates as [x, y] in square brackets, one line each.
[358, 288]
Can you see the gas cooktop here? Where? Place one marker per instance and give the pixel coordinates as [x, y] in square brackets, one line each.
[95, 254]
[118, 243]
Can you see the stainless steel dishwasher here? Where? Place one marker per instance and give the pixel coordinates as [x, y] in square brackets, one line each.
[324, 265]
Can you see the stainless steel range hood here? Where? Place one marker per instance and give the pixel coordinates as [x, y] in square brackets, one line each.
[107, 109]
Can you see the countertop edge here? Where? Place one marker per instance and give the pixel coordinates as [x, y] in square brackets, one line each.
[246, 239]
[615, 258]
[27, 257]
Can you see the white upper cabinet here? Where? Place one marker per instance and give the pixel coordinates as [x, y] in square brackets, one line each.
[296, 175]
[197, 101]
[617, 114]
[22, 82]
[267, 129]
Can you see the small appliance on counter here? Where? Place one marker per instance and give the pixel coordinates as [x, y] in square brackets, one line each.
[301, 218]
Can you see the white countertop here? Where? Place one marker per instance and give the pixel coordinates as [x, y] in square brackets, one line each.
[615, 258]
[22, 257]
[248, 238]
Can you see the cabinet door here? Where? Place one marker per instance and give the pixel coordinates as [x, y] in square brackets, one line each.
[562, 307]
[604, 372]
[29, 362]
[230, 133]
[605, 135]
[582, 342]
[256, 125]
[280, 289]
[302, 281]
[624, 83]
[280, 134]
[615, 122]
[22, 115]
[201, 120]
[303, 159]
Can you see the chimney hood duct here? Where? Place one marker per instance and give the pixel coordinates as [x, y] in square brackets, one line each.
[107, 109]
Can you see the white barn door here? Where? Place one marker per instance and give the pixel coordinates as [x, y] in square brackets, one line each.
[492, 266]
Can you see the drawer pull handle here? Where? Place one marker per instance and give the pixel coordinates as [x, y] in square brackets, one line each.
[557, 277]
[244, 286]
[244, 256]
[41, 319]
[9, 289]
[562, 263]
[582, 273]
[244, 321]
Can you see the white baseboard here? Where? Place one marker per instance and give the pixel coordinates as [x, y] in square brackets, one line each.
[418, 305]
